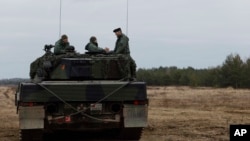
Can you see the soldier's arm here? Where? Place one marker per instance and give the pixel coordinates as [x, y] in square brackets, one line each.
[94, 48]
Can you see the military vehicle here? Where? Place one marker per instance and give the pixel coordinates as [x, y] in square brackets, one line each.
[88, 92]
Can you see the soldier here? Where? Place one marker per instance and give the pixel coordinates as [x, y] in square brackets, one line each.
[92, 46]
[61, 45]
[122, 47]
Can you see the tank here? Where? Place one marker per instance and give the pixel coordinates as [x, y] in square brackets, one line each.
[87, 93]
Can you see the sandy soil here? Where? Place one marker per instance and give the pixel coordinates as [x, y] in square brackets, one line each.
[8, 117]
[175, 113]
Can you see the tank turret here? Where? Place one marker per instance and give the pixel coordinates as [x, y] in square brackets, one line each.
[75, 66]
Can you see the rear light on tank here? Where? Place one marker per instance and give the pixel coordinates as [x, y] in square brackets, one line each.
[31, 104]
[67, 119]
[136, 102]
[62, 67]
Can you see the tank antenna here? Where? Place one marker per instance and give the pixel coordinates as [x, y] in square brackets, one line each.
[60, 18]
[127, 20]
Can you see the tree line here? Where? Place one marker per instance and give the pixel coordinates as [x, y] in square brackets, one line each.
[234, 72]
[13, 81]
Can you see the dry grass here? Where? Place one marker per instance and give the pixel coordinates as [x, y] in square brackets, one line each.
[8, 117]
[175, 113]
[201, 114]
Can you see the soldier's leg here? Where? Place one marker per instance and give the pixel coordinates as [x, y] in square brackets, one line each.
[132, 67]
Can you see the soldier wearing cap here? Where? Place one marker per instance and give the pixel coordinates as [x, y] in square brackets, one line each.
[92, 46]
[61, 45]
[122, 47]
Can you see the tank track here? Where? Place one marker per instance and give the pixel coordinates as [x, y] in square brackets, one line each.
[130, 133]
[122, 134]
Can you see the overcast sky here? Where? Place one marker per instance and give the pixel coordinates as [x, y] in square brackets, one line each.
[182, 33]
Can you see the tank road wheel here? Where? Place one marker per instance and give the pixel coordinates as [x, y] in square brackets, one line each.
[31, 135]
[130, 133]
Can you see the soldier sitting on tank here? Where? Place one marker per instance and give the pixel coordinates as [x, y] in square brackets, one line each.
[92, 46]
[62, 46]
[122, 47]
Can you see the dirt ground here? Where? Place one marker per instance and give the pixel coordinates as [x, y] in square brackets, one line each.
[175, 113]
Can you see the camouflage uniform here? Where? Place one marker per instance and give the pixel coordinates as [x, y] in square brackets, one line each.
[122, 47]
[93, 47]
[60, 47]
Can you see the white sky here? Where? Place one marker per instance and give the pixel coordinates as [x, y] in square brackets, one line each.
[182, 33]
